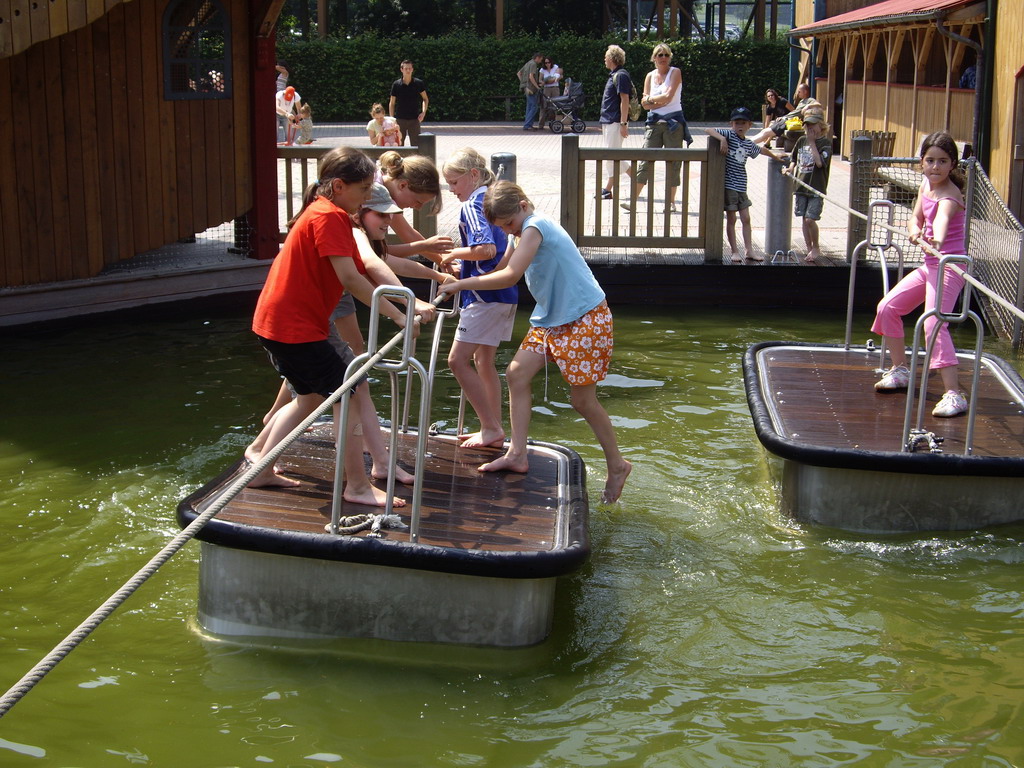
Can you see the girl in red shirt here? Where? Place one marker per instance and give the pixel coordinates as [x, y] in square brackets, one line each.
[319, 260]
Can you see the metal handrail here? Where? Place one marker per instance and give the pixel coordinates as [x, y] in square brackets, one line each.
[406, 362]
[966, 313]
[442, 314]
[879, 249]
[956, 318]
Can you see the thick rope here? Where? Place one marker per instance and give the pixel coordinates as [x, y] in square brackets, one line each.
[925, 246]
[83, 630]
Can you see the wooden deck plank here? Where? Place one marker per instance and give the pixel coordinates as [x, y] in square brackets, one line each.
[461, 508]
[827, 398]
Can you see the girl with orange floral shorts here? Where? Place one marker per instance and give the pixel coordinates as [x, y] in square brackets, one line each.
[571, 325]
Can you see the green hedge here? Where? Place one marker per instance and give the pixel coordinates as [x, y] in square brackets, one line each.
[341, 78]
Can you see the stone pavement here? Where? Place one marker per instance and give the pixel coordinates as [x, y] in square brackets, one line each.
[538, 159]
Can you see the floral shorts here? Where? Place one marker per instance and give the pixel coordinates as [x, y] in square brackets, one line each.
[582, 349]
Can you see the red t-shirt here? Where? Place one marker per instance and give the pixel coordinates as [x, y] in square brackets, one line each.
[302, 288]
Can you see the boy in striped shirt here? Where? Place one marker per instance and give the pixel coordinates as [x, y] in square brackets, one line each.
[734, 144]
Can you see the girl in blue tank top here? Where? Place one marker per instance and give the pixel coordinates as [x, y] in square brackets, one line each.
[571, 325]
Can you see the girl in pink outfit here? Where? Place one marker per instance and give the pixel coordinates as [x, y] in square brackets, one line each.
[939, 220]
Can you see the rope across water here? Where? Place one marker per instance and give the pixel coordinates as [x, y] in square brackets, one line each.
[925, 246]
[16, 692]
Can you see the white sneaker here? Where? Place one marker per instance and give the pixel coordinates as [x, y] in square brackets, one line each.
[953, 403]
[894, 379]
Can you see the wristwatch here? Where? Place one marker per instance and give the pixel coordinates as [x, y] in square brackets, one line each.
[623, 123]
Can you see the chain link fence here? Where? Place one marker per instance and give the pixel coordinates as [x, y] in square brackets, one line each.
[995, 237]
[226, 243]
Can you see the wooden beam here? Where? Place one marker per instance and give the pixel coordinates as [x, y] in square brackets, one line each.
[834, 46]
[961, 49]
[889, 70]
[870, 54]
[947, 48]
[921, 41]
[265, 13]
[926, 41]
[896, 42]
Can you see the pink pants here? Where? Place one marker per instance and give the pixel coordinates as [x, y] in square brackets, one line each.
[907, 295]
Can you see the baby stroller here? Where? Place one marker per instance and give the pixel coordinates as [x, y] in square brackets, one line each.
[567, 109]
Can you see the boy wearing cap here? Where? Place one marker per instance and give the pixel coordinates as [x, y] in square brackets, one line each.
[810, 164]
[734, 144]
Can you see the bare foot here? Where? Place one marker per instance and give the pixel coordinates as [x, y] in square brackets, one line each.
[755, 256]
[506, 464]
[616, 480]
[370, 496]
[252, 456]
[735, 258]
[401, 476]
[272, 480]
[483, 439]
[812, 255]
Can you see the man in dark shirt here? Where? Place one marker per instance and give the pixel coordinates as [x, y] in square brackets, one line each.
[615, 108]
[529, 83]
[408, 103]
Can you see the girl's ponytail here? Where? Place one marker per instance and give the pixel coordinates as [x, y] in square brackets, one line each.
[415, 170]
[345, 163]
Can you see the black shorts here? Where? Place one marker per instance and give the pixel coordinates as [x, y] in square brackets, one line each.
[310, 367]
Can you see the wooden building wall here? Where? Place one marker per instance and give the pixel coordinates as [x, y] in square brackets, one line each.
[27, 22]
[1006, 61]
[96, 165]
[911, 114]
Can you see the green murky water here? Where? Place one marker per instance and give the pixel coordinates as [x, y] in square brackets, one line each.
[707, 630]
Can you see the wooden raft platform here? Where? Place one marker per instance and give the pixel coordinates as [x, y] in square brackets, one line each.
[482, 571]
[825, 396]
[462, 509]
[815, 407]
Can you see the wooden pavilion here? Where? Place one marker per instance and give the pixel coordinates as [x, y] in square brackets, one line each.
[127, 126]
[900, 66]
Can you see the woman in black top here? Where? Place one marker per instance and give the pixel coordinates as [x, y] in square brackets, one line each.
[776, 106]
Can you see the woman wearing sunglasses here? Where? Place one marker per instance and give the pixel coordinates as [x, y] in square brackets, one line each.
[666, 126]
[550, 78]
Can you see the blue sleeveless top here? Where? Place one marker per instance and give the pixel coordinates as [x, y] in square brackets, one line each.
[560, 280]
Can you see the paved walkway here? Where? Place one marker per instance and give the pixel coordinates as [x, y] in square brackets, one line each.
[538, 158]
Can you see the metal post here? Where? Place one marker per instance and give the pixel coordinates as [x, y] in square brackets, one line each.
[503, 165]
[860, 175]
[779, 217]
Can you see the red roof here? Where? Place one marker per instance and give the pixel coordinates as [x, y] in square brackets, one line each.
[885, 12]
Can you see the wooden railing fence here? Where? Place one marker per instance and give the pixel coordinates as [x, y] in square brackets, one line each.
[300, 170]
[696, 222]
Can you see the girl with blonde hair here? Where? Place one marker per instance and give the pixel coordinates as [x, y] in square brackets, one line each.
[486, 316]
[571, 325]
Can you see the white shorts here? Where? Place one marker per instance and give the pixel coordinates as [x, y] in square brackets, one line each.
[612, 135]
[484, 322]
[613, 140]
